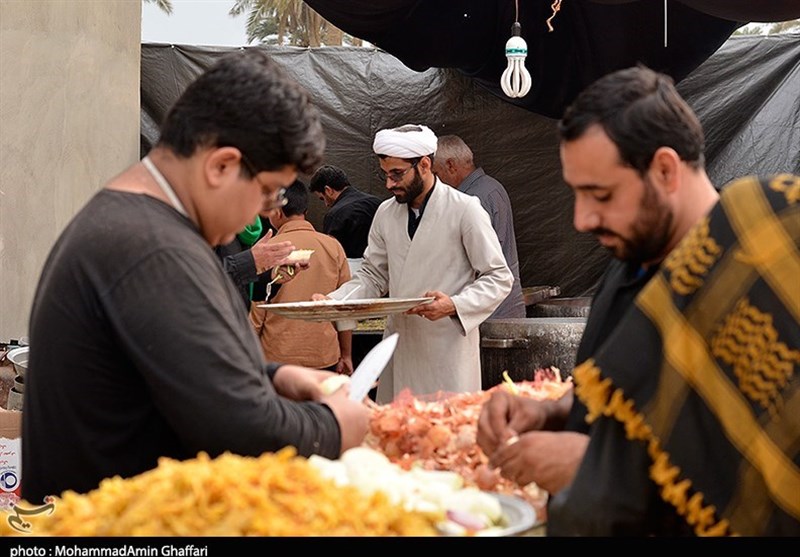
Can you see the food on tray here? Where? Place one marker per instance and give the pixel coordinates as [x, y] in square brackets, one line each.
[276, 494]
[299, 256]
[439, 433]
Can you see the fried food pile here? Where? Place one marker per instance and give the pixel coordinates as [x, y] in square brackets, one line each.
[439, 433]
[276, 494]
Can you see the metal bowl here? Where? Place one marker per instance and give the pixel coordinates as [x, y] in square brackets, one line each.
[19, 359]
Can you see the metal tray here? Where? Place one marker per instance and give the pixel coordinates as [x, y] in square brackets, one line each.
[334, 310]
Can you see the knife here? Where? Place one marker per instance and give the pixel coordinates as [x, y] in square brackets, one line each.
[371, 367]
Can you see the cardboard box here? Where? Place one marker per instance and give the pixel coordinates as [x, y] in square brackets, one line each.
[10, 457]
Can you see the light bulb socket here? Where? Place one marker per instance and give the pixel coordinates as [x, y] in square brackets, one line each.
[516, 47]
[516, 29]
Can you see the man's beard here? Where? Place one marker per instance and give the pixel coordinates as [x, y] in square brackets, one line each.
[649, 233]
[410, 192]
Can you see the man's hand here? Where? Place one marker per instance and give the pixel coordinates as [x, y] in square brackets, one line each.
[267, 255]
[345, 365]
[284, 273]
[548, 458]
[504, 415]
[441, 306]
[353, 417]
[300, 383]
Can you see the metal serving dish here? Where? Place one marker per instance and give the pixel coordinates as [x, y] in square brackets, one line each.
[336, 310]
[19, 359]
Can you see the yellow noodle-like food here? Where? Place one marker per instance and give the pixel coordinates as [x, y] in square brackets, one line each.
[276, 494]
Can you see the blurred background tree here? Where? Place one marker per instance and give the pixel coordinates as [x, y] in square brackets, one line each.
[289, 23]
[165, 5]
[282, 22]
[791, 26]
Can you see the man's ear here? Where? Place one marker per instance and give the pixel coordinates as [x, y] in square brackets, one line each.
[425, 163]
[222, 165]
[665, 168]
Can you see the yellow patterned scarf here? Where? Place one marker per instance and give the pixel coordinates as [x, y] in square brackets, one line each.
[700, 385]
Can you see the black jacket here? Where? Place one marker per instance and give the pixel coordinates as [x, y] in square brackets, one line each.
[349, 220]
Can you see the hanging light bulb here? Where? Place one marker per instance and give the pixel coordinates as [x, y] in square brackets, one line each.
[516, 81]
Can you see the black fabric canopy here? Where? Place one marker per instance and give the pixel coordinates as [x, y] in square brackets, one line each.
[590, 37]
[745, 94]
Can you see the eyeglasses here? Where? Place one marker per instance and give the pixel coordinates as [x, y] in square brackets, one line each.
[279, 198]
[395, 175]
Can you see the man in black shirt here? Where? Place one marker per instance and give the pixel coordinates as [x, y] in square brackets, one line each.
[351, 210]
[632, 152]
[143, 347]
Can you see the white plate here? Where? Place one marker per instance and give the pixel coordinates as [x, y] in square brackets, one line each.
[335, 310]
[518, 515]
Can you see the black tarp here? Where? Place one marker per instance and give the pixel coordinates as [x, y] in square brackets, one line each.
[747, 96]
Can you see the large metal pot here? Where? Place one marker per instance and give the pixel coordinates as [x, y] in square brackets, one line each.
[522, 346]
[561, 307]
[519, 346]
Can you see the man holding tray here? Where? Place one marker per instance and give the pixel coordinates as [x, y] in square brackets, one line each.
[430, 240]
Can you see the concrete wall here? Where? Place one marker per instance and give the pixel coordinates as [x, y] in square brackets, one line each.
[69, 121]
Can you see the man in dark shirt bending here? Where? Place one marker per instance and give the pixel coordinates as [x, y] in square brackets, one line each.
[143, 347]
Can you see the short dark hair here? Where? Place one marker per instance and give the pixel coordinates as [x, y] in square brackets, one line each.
[328, 175]
[247, 101]
[296, 199]
[640, 110]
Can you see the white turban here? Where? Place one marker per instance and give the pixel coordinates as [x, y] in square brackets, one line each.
[405, 144]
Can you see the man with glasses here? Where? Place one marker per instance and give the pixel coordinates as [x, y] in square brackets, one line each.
[143, 349]
[434, 241]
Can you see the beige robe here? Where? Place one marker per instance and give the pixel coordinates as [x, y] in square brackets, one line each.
[455, 250]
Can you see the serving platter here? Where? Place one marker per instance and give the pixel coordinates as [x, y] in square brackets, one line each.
[334, 310]
[519, 516]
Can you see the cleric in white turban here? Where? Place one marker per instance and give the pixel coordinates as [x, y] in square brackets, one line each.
[406, 142]
[430, 241]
